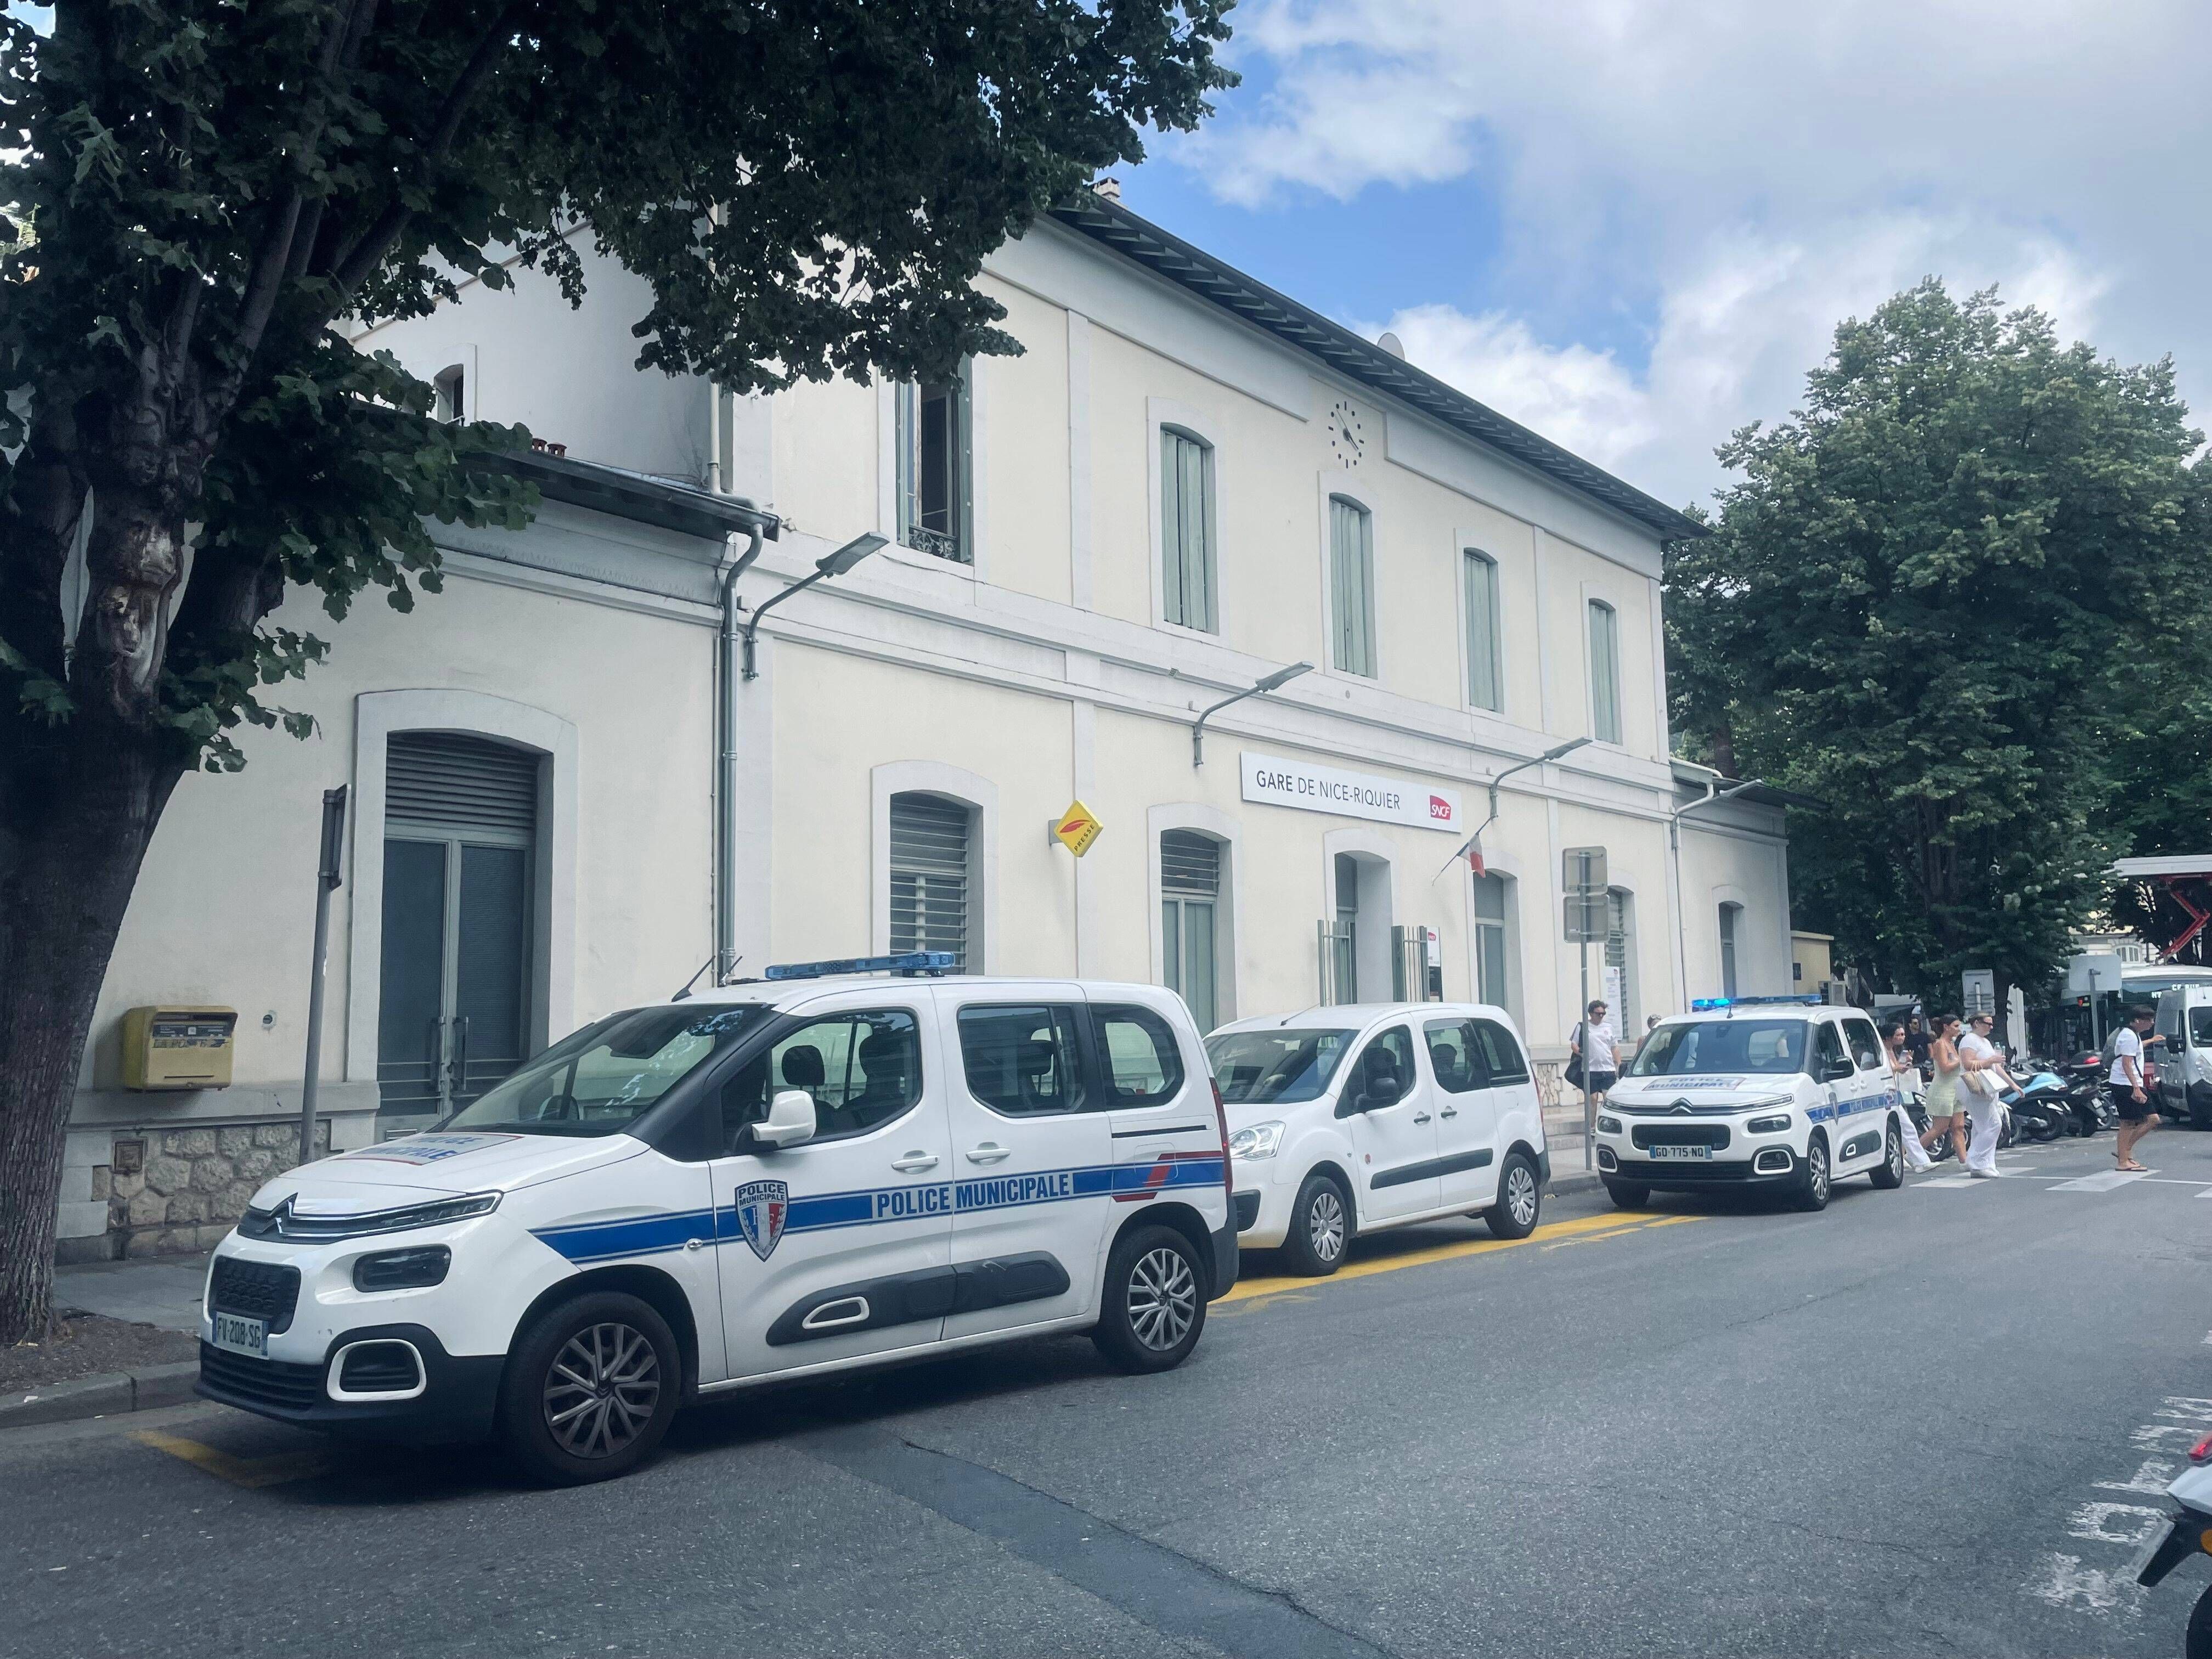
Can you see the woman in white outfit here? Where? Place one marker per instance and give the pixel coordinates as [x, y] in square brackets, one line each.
[1978, 1086]
[1905, 1073]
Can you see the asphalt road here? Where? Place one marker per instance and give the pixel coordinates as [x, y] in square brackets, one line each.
[1925, 1422]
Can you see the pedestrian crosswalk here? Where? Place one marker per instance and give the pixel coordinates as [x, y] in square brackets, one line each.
[2098, 1181]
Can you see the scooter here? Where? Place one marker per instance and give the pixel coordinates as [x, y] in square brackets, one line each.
[2187, 1533]
[2039, 1110]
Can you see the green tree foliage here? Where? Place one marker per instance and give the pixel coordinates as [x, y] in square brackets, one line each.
[808, 187]
[1946, 597]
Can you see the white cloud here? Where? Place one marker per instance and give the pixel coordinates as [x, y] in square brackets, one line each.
[1744, 175]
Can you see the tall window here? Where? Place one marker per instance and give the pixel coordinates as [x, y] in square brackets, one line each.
[1605, 672]
[1345, 941]
[1483, 687]
[1190, 892]
[1351, 585]
[1490, 983]
[929, 876]
[933, 442]
[1186, 528]
[1729, 914]
[1620, 954]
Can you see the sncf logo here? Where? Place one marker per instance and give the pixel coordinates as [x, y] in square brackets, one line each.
[1440, 808]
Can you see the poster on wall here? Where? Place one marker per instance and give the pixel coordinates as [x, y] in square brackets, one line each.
[1305, 787]
[1613, 1007]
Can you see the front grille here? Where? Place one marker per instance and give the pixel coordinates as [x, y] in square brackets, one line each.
[1686, 1172]
[271, 1382]
[1715, 1135]
[380, 1368]
[258, 1290]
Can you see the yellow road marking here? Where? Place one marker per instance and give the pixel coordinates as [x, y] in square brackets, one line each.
[1609, 1226]
[239, 1471]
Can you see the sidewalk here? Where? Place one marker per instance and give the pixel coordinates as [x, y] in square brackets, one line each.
[162, 1290]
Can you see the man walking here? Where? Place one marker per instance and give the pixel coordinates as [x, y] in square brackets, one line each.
[1598, 1048]
[2129, 1090]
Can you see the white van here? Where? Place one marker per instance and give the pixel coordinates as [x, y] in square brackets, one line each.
[1350, 1120]
[766, 1182]
[2183, 1058]
[1784, 1092]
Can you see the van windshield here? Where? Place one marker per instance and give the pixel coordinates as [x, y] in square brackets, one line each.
[1257, 1067]
[1707, 1047]
[2200, 1028]
[603, 1078]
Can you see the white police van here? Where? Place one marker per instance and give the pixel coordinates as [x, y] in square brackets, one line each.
[768, 1181]
[1354, 1120]
[1786, 1093]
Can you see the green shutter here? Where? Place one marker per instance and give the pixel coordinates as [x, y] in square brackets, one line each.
[1484, 689]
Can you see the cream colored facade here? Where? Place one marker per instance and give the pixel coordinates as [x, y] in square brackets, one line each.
[1043, 669]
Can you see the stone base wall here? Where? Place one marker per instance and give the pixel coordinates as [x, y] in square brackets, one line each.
[175, 1191]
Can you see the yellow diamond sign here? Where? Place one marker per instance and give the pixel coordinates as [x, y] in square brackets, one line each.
[1076, 829]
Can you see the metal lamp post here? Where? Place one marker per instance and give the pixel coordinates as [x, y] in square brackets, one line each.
[834, 563]
[1280, 678]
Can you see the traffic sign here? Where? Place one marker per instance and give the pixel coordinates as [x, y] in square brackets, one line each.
[1586, 917]
[1077, 828]
[1584, 867]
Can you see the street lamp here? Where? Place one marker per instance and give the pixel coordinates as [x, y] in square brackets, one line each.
[1280, 678]
[834, 563]
[1550, 754]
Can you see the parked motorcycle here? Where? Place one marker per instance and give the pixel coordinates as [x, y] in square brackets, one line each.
[2041, 1111]
[2187, 1535]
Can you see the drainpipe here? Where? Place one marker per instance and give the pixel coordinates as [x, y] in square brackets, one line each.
[1713, 792]
[725, 773]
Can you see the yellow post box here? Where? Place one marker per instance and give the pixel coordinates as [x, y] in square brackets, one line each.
[179, 1048]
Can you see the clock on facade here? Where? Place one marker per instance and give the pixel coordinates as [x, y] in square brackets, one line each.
[1347, 437]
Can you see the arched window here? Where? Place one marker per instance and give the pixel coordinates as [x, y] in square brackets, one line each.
[1352, 585]
[931, 865]
[1187, 529]
[1604, 671]
[1190, 922]
[1493, 982]
[1485, 687]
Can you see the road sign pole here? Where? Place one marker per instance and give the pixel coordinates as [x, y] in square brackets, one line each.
[1582, 1015]
[327, 876]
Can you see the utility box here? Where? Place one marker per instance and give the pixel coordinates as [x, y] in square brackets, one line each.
[179, 1048]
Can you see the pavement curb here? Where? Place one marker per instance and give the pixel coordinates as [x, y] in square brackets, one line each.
[108, 1394]
[1574, 1180]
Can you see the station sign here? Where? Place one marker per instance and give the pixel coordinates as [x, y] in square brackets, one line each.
[1305, 787]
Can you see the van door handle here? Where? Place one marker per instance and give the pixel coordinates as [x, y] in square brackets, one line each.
[990, 1152]
[1451, 1111]
[915, 1161]
[1420, 1117]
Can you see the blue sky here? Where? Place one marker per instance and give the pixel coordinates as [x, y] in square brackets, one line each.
[1635, 225]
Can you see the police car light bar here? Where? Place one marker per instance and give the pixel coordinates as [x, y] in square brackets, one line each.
[910, 962]
[1704, 1005]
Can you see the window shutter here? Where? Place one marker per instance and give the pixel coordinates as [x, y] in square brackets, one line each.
[1190, 866]
[1483, 689]
[1605, 672]
[929, 876]
[1352, 581]
[458, 782]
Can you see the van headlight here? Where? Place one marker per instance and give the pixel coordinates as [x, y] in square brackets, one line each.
[403, 1270]
[1261, 1140]
[1608, 1126]
[1768, 1126]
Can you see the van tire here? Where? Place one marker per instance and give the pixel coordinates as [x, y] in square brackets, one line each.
[1517, 1188]
[1320, 1228]
[1628, 1195]
[1155, 1290]
[611, 1324]
[1811, 1191]
[1889, 1172]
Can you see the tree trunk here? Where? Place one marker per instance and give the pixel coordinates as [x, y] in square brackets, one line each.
[67, 867]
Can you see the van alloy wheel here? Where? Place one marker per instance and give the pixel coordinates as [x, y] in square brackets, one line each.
[1521, 1194]
[601, 1390]
[1325, 1225]
[1163, 1299]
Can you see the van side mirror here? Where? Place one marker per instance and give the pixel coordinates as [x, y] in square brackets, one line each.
[1837, 1070]
[790, 1120]
[1381, 1085]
